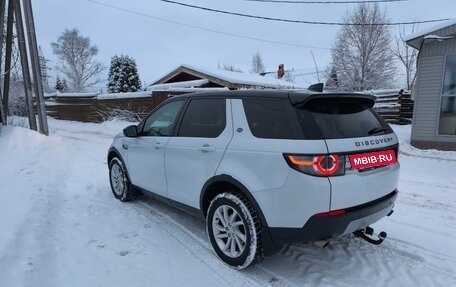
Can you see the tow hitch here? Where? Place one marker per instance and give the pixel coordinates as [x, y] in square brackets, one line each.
[368, 235]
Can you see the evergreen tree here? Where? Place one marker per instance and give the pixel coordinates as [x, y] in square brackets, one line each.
[123, 75]
[61, 85]
[64, 85]
[332, 81]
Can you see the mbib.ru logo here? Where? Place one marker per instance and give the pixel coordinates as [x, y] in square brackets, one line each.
[372, 159]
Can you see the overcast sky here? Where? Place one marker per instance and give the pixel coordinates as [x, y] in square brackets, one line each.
[160, 46]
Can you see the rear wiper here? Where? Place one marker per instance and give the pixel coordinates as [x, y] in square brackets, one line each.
[377, 130]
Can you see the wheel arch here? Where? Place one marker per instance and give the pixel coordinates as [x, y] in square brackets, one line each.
[112, 153]
[216, 185]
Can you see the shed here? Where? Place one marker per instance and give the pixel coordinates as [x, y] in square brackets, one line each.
[434, 92]
[216, 78]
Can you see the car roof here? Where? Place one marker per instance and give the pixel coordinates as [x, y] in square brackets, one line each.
[295, 96]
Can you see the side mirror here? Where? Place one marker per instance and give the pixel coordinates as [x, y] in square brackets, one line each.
[131, 131]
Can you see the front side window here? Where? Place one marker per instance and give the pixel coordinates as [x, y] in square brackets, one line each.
[204, 118]
[447, 123]
[162, 121]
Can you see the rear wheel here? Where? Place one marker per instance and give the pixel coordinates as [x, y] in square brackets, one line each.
[120, 185]
[234, 230]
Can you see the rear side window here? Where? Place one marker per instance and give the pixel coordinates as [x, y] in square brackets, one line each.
[344, 119]
[204, 118]
[268, 118]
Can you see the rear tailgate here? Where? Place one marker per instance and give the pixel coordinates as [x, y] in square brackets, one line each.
[351, 129]
[361, 185]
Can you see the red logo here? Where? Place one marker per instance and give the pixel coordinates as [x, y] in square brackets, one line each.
[371, 159]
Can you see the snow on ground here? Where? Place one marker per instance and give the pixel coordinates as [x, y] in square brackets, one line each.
[62, 227]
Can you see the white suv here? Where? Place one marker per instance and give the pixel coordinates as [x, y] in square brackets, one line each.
[263, 168]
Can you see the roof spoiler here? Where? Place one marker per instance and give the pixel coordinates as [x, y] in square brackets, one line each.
[316, 87]
[302, 99]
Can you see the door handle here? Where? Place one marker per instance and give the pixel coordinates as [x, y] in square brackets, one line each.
[206, 148]
[158, 145]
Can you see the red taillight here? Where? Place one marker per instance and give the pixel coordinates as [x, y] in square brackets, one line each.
[326, 165]
[332, 213]
[318, 165]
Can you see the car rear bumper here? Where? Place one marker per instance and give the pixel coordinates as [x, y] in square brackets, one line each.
[334, 223]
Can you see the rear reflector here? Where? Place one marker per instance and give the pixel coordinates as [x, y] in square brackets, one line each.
[332, 213]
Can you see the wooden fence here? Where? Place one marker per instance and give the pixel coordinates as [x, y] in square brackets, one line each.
[394, 106]
[94, 109]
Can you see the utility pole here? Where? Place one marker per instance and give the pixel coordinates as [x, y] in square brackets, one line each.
[25, 66]
[8, 54]
[2, 28]
[34, 58]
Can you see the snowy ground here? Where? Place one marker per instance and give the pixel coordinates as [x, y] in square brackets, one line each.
[60, 225]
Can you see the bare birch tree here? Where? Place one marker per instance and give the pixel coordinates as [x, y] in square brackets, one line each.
[257, 64]
[77, 60]
[362, 55]
[406, 55]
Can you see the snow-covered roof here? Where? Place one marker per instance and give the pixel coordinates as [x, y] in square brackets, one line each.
[184, 84]
[76, 95]
[414, 39]
[111, 96]
[234, 78]
[191, 90]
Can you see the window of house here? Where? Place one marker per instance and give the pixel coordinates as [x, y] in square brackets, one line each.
[447, 123]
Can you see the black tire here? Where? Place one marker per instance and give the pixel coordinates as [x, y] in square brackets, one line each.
[246, 235]
[120, 184]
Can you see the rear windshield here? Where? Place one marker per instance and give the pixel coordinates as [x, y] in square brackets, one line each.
[317, 119]
[343, 119]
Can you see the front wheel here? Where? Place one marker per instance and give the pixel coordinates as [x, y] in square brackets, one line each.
[120, 185]
[234, 230]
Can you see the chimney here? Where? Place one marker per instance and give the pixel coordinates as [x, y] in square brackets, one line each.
[280, 71]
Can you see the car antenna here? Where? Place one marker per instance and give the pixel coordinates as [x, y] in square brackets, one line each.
[316, 87]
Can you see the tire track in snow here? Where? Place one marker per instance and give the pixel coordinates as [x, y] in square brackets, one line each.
[352, 262]
[308, 265]
[256, 274]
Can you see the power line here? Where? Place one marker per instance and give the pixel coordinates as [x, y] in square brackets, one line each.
[326, 2]
[298, 21]
[207, 29]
